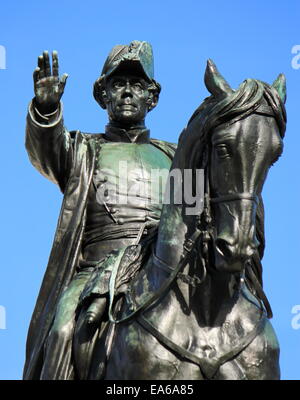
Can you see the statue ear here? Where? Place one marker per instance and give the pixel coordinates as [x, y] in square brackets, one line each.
[152, 102]
[99, 92]
[280, 85]
[104, 95]
[214, 81]
[103, 100]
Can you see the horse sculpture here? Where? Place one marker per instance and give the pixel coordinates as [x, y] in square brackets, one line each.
[196, 309]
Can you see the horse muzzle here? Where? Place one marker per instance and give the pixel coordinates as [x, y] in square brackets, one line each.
[232, 258]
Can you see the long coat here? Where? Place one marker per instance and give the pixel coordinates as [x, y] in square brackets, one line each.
[67, 159]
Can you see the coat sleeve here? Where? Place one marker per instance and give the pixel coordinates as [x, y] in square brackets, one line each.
[49, 145]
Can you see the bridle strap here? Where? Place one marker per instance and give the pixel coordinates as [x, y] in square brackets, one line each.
[235, 197]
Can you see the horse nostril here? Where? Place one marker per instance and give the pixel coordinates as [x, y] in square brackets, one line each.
[225, 247]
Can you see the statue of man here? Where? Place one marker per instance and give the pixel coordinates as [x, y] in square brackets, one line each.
[95, 223]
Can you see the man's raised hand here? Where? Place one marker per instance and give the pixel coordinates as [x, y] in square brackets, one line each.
[48, 87]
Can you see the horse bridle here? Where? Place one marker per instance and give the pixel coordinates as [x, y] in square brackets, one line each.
[205, 220]
[209, 235]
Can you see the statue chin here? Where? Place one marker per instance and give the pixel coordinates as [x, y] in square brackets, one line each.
[128, 116]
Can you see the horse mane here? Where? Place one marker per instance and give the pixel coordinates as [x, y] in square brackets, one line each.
[227, 110]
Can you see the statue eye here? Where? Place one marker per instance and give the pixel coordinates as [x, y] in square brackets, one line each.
[137, 86]
[222, 151]
[118, 84]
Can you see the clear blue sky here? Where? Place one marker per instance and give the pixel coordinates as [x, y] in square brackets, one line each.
[246, 40]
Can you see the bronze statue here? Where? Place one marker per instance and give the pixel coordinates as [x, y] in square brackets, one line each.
[145, 289]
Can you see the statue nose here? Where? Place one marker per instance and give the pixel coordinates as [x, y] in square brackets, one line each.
[127, 89]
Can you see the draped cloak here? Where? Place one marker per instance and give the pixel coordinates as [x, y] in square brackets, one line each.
[67, 159]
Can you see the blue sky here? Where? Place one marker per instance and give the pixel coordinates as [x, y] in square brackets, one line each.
[245, 39]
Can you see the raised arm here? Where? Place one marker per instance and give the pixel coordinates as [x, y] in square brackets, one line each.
[48, 143]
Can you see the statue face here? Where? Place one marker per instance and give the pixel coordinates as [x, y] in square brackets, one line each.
[127, 99]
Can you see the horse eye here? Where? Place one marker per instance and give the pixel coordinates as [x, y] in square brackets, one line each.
[222, 151]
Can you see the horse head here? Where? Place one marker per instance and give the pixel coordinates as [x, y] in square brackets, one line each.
[243, 133]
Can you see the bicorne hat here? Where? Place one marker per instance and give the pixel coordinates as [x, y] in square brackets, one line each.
[137, 55]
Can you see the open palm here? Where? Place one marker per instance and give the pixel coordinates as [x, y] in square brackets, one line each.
[48, 86]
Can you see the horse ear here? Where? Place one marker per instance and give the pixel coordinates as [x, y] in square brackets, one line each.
[280, 85]
[214, 81]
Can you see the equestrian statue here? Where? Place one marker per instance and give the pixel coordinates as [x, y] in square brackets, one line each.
[155, 270]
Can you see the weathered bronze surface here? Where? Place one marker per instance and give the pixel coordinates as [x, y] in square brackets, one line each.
[141, 288]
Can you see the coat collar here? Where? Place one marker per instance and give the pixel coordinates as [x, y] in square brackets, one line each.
[136, 135]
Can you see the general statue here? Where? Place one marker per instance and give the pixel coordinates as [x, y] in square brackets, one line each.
[149, 277]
